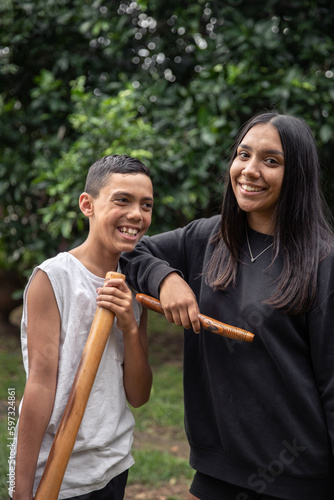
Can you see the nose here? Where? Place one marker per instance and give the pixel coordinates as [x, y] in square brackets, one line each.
[252, 168]
[135, 212]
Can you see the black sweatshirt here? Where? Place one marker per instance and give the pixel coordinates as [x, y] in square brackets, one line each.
[261, 414]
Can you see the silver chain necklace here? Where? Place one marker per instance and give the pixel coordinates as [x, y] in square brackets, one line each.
[253, 259]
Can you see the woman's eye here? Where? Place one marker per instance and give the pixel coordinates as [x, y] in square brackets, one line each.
[272, 161]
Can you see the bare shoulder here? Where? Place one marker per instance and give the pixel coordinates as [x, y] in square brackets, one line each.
[41, 300]
[43, 328]
[40, 289]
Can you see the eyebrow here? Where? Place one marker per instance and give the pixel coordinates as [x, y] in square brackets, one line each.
[266, 151]
[131, 195]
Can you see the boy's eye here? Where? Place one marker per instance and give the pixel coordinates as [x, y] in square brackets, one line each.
[148, 206]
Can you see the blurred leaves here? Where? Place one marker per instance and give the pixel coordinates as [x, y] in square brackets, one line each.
[168, 82]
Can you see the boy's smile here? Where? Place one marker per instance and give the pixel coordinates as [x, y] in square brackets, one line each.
[130, 232]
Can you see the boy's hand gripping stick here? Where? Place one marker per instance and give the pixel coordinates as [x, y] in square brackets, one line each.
[65, 437]
[207, 323]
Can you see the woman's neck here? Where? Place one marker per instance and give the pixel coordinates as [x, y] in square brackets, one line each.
[261, 225]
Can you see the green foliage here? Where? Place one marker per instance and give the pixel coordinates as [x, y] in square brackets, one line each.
[4, 453]
[12, 373]
[104, 125]
[168, 82]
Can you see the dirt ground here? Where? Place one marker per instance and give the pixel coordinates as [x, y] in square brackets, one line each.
[140, 492]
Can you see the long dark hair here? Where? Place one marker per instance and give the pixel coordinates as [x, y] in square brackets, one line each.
[301, 231]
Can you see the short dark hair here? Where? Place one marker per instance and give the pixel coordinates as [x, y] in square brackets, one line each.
[100, 172]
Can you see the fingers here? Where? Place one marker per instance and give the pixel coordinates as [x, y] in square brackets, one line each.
[179, 302]
[183, 314]
[116, 283]
[116, 296]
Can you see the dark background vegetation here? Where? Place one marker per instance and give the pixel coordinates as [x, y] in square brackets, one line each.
[167, 81]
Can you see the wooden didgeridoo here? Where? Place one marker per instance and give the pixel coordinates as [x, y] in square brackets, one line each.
[66, 434]
[207, 323]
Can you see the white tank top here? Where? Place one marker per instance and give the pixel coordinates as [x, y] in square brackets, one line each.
[103, 446]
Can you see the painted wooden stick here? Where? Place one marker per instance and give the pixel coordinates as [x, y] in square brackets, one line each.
[207, 323]
[65, 437]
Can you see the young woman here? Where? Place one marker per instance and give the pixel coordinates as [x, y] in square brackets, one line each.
[259, 416]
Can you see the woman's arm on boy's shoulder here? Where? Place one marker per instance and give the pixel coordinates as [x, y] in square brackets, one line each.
[152, 260]
[177, 251]
[43, 332]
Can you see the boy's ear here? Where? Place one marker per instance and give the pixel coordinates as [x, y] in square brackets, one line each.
[86, 204]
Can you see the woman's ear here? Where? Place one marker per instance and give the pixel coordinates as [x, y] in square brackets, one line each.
[86, 204]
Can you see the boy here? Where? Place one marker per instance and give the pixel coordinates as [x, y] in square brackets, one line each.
[59, 306]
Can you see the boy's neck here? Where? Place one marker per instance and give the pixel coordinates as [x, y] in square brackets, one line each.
[96, 263]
